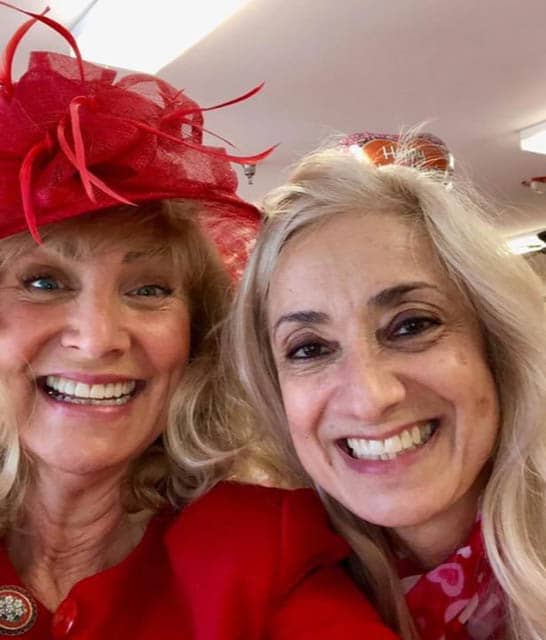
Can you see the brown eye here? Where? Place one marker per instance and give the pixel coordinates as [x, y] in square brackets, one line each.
[412, 326]
[309, 351]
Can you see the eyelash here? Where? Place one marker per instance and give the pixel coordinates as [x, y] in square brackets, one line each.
[29, 280]
[403, 329]
[165, 292]
[159, 291]
[410, 327]
[310, 343]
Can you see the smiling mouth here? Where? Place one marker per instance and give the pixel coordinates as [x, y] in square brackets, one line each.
[393, 447]
[103, 395]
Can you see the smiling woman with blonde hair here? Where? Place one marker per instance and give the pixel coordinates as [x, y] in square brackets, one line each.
[118, 231]
[393, 350]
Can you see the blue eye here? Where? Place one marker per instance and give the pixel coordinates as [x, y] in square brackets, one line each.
[42, 283]
[152, 291]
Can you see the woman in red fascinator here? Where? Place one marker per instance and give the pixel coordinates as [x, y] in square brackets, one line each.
[116, 421]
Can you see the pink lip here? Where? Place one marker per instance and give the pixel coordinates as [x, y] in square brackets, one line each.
[89, 378]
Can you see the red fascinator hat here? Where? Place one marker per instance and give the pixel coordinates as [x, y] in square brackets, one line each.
[74, 140]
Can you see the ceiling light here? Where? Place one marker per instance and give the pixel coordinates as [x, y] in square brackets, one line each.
[69, 12]
[145, 36]
[526, 243]
[533, 138]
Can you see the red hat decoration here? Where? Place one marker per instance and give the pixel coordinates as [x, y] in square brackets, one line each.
[74, 140]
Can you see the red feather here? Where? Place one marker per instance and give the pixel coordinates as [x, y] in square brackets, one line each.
[184, 111]
[52, 24]
[9, 52]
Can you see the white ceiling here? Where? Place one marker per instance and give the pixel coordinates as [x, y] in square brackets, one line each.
[473, 70]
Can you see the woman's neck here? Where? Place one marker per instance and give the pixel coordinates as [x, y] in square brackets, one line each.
[72, 528]
[431, 542]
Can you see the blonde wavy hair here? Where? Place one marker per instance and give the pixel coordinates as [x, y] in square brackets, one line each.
[200, 438]
[507, 298]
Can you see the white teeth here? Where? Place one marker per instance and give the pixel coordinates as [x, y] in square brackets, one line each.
[393, 445]
[96, 391]
[390, 448]
[406, 439]
[82, 393]
[69, 387]
[82, 390]
[375, 447]
[107, 402]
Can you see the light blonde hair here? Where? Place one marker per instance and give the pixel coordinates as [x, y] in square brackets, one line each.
[201, 434]
[507, 298]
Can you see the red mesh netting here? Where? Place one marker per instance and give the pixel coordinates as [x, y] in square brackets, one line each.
[71, 144]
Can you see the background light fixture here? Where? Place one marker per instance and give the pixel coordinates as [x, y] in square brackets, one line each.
[527, 243]
[69, 12]
[146, 36]
[533, 138]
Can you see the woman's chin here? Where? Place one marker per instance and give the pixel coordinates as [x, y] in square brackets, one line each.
[68, 462]
[395, 514]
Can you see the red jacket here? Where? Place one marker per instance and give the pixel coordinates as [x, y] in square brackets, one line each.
[241, 563]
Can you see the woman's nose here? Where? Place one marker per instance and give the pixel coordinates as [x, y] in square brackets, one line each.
[370, 386]
[96, 327]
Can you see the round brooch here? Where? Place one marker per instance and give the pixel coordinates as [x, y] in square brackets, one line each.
[17, 611]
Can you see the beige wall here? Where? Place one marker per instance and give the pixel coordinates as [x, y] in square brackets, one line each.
[538, 262]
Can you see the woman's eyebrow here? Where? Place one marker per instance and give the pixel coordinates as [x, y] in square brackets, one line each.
[145, 254]
[391, 295]
[305, 317]
[384, 298]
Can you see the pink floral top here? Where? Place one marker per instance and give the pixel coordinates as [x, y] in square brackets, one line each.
[458, 600]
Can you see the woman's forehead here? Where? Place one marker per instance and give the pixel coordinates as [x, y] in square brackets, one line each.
[357, 253]
[361, 237]
[74, 245]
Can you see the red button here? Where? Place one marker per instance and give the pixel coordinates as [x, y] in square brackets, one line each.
[64, 619]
